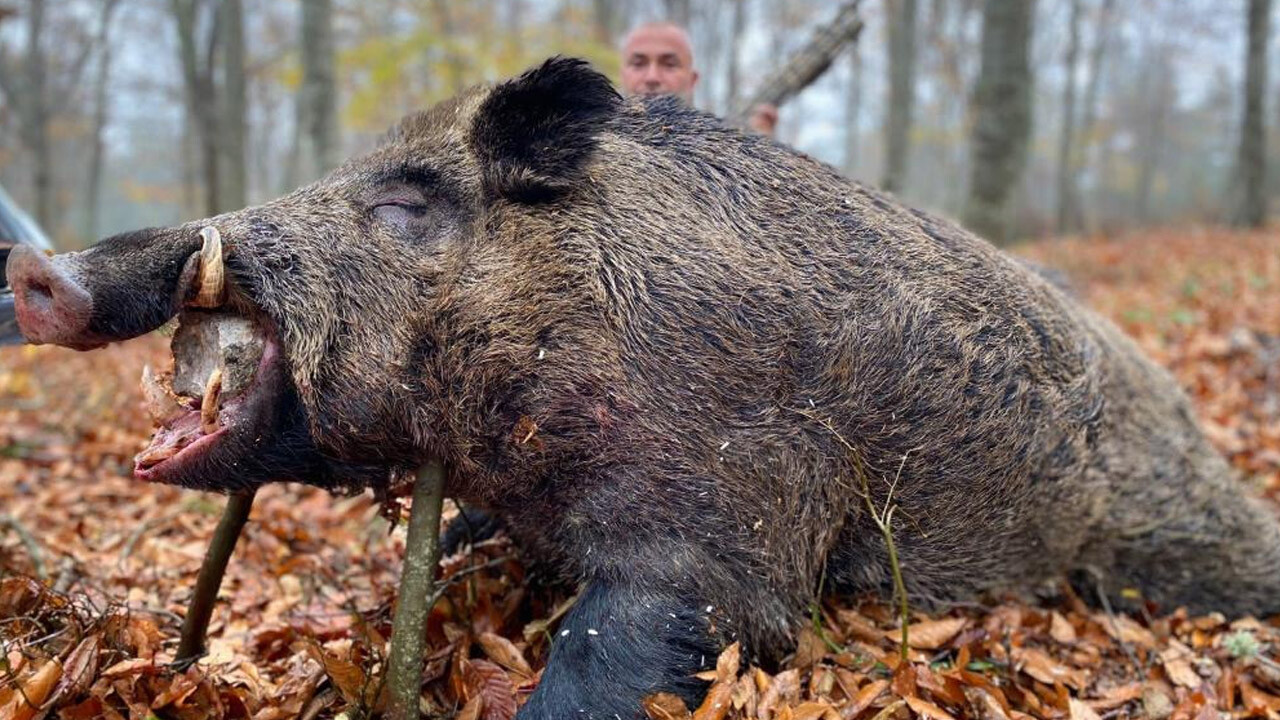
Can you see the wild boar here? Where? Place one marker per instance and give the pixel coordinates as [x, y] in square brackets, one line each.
[681, 363]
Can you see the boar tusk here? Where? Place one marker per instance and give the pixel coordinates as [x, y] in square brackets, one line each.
[210, 281]
[209, 404]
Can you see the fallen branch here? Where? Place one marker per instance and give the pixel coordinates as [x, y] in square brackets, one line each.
[422, 554]
[196, 625]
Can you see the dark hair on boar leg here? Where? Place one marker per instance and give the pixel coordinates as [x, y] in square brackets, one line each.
[660, 350]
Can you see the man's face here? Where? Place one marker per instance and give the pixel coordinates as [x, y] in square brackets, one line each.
[657, 60]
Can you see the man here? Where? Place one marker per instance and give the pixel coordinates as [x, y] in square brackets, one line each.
[657, 59]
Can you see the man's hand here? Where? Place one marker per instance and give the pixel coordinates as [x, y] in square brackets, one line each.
[764, 119]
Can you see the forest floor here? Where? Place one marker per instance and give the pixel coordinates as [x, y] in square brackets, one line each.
[96, 569]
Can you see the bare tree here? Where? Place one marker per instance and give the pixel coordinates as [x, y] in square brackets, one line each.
[1249, 184]
[93, 197]
[210, 31]
[733, 68]
[1093, 87]
[852, 108]
[1066, 178]
[197, 59]
[902, 84]
[315, 143]
[1156, 106]
[25, 89]
[1001, 116]
[610, 19]
[233, 108]
[679, 12]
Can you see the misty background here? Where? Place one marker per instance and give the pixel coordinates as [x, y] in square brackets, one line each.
[116, 114]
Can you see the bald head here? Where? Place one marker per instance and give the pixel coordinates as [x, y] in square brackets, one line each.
[657, 59]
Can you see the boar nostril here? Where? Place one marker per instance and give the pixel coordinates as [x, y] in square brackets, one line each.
[37, 291]
[51, 307]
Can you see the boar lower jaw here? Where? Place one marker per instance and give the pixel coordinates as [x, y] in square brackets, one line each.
[197, 417]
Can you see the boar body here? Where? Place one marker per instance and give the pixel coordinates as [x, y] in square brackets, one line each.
[681, 363]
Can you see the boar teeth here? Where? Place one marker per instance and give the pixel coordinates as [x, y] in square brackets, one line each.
[211, 281]
[209, 405]
[160, 401]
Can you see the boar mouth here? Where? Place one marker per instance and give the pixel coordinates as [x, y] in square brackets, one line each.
[217, 406]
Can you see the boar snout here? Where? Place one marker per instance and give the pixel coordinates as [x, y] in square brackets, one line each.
[51, 306]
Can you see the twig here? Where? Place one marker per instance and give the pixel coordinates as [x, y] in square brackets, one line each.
[318, 703]
[422, 554]
[196, 625]
[883, 520]
[1111, 617]
[472, 570]
[33, 548]
[66, 576]
[136, 535]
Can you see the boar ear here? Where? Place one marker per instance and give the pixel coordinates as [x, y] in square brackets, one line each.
[534, 134]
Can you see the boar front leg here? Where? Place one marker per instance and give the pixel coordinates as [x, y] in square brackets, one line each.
[621, 642]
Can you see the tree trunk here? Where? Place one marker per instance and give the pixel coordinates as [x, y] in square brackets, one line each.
[1250, 180]
[852, 107]
[1156, 110]
[679, 12]
[199, 92]
[317, 98]
[733, 68]
[93, 199]
[902, 82]
[1002, 116]
[232, 168]
[1097, 58]
[1066, 178]
[35, 118]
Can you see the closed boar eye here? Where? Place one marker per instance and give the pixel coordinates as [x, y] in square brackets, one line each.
[398, 213]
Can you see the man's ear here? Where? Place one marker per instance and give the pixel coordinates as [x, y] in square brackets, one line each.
[534, 134]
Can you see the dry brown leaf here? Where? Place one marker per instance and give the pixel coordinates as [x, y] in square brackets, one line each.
[472, 709]
[745, 695]
[35, 690]
[1176, 659]
[1039, 665]
[79, 669]
[858, 627]
[865, 697]
[1115, 697]
[1061, 630]
[1124, 629]
[505, 653]
[930, 634]
[728, 662]
[715, 706]
[132, 666]
[814, 710]
[490, 681]
[1256, 701]
[926, 709]
[889, 710]
[984, 705]
[1081, 711]
[783, 689]
[665, 706]
[809, 649]
[348, 677]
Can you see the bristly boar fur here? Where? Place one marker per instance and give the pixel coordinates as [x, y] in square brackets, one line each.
[660, 348]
